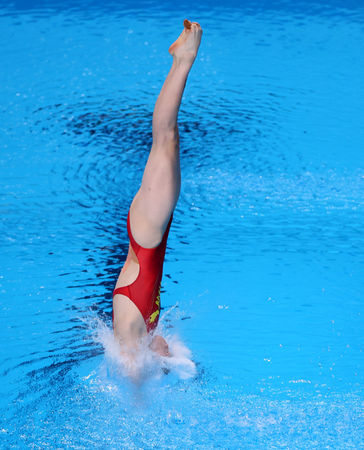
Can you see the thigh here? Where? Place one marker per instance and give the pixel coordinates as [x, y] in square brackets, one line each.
[129, 324]
[156, 199]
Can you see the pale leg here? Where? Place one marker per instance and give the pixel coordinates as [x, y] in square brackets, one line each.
[156, 199]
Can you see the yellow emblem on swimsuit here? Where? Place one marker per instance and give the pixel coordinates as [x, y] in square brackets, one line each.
[154, 315]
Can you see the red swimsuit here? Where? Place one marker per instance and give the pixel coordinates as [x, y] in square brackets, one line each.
[144, 292]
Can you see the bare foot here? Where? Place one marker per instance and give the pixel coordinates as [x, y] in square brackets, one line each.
[160, 346]
[184, 49]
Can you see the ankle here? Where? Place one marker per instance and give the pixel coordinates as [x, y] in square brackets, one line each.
[185, 63]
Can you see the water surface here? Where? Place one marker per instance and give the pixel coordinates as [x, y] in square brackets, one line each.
[264, 264]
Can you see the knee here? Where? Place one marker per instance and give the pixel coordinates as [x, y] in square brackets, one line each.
[166, 136]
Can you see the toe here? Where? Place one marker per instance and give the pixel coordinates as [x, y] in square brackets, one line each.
[187, 24]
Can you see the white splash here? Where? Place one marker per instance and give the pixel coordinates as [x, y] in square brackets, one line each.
[180, 362]
[143, 363]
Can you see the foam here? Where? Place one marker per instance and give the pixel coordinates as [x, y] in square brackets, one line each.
[143, 364]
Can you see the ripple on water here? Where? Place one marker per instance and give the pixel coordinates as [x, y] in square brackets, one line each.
[264, 258]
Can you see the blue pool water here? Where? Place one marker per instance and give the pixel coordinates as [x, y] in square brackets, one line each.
[263, 279]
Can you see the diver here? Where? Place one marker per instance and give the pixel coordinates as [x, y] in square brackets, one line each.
[136, 297]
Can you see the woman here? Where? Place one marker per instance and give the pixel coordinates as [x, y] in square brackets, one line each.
[136, 298]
